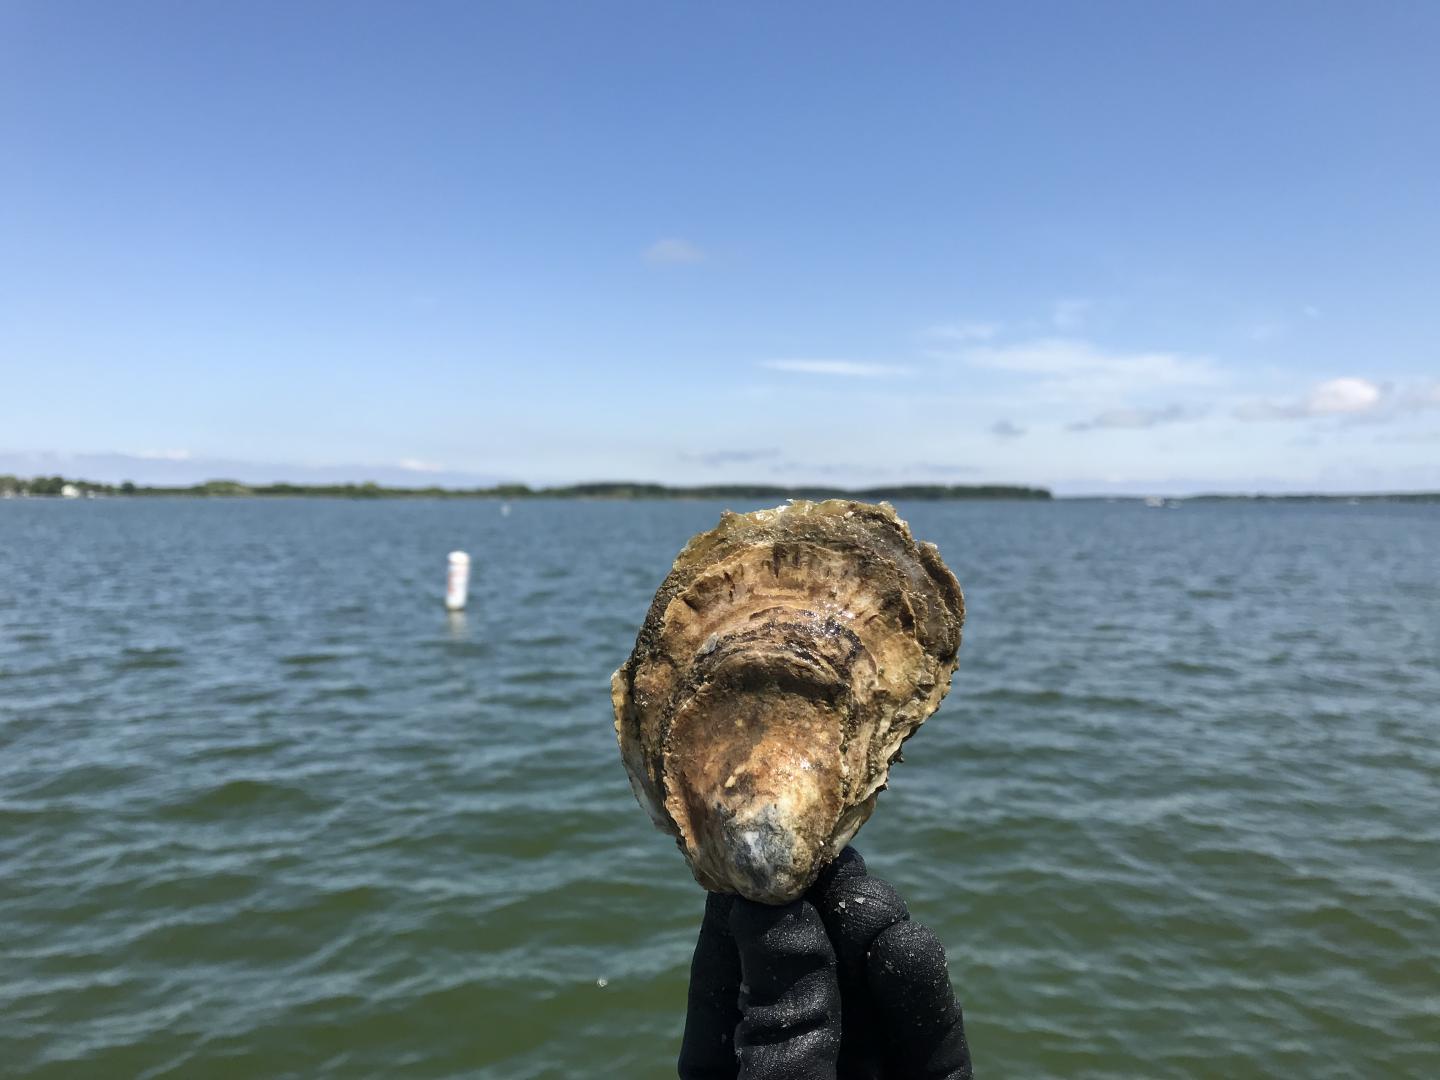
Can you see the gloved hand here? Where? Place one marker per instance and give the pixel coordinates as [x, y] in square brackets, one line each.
[838, 985]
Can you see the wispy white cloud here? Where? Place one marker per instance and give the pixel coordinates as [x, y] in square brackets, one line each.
[871, 472]
[416, 465]
[673, 249]
[939, 468]
[962, 332]
[1348, 395]
[1138, 418]
[1006, 429]
[1349, 398]
[847, 472]
[1422, 395]
[1070, 314]
[852, 369]
[165, 455]
[718, 458]
[1071, 359]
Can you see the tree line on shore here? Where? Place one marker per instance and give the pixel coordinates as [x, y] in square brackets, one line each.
[61, 486]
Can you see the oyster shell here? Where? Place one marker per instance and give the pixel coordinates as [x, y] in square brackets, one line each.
[784, 660]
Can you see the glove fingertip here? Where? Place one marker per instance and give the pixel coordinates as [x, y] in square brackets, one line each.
[717, 907]
[787, 935]
[707, 1050]
[847, 864]
[789, 996]
[856, 910]
[910, 984]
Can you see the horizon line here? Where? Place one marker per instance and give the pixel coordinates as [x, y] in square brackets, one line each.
[641, 489]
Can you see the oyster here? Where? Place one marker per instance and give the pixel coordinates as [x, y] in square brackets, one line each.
[784, 660]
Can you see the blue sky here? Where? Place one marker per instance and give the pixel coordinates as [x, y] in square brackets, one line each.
[1103, 247]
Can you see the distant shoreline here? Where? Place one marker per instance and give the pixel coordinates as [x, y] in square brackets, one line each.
[1302, 496]
[59, 486]
[62, 487]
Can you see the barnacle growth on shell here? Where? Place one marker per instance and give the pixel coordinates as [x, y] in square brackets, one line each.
[784, 660]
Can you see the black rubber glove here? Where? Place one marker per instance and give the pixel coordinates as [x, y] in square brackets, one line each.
[839, 985]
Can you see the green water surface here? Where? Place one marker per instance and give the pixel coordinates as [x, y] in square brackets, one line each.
[265, 811]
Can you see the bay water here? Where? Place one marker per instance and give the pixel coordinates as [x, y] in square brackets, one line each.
[267, 811]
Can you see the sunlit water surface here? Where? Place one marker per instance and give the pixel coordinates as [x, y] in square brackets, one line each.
[266, 812]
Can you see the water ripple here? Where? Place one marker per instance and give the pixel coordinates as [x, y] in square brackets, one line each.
[1176, 820]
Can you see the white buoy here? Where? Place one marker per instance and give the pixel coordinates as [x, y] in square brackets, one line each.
[457, 583]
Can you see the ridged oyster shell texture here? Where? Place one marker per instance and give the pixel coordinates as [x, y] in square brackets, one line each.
[786, 656]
